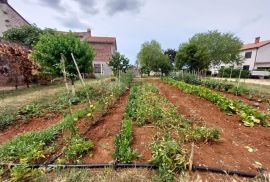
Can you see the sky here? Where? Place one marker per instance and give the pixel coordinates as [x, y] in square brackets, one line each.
[133, 22]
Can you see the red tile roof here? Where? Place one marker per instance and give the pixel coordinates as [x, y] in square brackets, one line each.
[111, 40]
[94, 39]
[255, 45]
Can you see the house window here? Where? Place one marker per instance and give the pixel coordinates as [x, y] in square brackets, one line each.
[97, 68]
[248, 54]
[246, 67]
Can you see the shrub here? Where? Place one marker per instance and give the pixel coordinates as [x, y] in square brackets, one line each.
[226, 72]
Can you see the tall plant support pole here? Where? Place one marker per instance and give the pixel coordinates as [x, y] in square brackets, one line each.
[80, 76]
[231, 73]
[239, 78]
[65, 80]
[223, 72]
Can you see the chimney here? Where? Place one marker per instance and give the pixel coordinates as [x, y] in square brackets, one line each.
[89, 31]
[3, 1]
[257, 40]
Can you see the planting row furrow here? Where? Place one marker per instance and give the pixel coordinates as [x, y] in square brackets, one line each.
[35, 147]
[146, 105]
[249, 115]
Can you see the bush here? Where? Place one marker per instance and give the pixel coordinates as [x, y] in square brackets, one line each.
[226, 72]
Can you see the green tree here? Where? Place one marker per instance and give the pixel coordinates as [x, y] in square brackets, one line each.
[151, 56]
[165, 65]
[192, 57]
[119, 63]
[171, 53]
[26, 34]
[48, 52]
[222, 47]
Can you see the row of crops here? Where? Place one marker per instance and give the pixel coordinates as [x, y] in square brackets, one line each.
[249, 115]
[62, 142]
[146, 106]
[219, 85]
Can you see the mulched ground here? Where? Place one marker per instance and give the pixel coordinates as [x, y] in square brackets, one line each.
[239, 148]
[33, 124]
[104, 131]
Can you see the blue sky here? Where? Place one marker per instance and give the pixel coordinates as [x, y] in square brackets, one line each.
[133, 22]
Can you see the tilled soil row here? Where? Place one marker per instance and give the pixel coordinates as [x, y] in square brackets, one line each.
[240, 147]
[104, 131]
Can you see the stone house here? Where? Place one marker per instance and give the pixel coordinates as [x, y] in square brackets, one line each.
[9, 17]
[104, 48]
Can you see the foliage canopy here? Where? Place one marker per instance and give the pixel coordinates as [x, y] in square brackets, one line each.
[221, 47]
[48, 52]
[192, 57]
[26, 34]
[119, 63]
[152, 58]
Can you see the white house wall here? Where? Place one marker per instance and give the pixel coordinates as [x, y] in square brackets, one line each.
[263, 56]
[249, 61]
[105, 68]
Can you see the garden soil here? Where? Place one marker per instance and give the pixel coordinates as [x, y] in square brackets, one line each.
[104, 131]
[239, 148]
[34, 124]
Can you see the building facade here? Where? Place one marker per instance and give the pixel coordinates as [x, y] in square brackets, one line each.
[9, 17]
[104, 48]
[256, 55]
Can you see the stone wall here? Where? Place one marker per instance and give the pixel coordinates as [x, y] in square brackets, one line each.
[9, 18]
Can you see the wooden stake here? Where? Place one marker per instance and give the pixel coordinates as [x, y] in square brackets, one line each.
[191, 157]
[81, 79]
[65, 80]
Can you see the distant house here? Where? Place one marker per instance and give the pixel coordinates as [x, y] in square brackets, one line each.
[256, 56]
[104, 48]
[9, 17]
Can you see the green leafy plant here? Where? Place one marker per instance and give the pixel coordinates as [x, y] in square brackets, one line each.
[168, 155]
[249, 115]
[76, 148]
[123, 151]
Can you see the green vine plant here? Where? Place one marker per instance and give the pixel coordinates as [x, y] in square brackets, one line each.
[249, 115]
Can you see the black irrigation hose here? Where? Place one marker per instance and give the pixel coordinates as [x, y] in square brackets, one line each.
[224, 171]
[137, 165]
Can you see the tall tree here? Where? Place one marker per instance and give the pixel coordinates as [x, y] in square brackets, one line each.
[192, 57]
[165, 65]
[171, 53]
[222, 47]
[48, 52]
[119, 63]
[150, 56]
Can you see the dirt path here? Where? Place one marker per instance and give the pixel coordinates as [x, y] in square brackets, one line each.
[34, 124]
[104, 131]
[239, 148]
